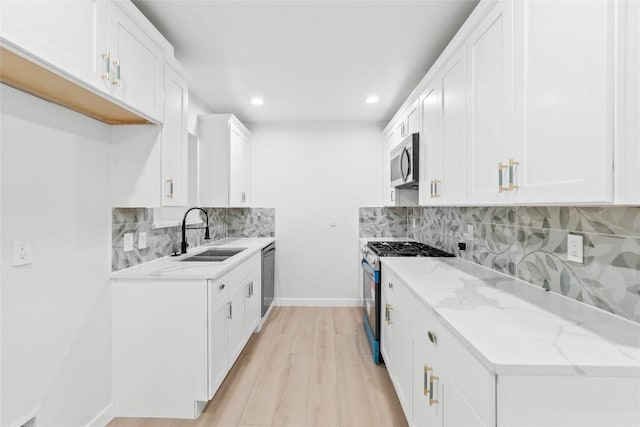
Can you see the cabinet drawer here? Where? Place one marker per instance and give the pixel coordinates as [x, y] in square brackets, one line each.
[218, 289]
[475, 383]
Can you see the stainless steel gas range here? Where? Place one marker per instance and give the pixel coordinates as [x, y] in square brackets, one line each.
[370, 264]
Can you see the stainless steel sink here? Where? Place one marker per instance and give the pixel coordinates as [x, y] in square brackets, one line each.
[214, 255]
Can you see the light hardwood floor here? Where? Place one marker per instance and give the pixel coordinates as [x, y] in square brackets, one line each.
[307, 367]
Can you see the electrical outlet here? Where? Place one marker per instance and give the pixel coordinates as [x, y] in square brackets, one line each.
[575, 248]
[142, 240]
[469, 234]
[128, 242]
[21, 252]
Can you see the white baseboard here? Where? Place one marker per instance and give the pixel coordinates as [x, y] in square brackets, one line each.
[318, 302]
[103, 418]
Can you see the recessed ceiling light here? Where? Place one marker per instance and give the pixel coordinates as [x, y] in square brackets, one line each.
[257, 101]
[372, 99]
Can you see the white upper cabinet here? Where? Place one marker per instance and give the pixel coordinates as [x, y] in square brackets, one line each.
[136, 66]
[388, 192]
[224, 177]
[240, 168]
[174, 139]
[489, 58]
[565, 56]
[70, 35]
[430, 144]
[443, 137]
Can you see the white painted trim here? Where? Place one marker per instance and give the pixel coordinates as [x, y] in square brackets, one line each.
[318, 302]
[103, 418]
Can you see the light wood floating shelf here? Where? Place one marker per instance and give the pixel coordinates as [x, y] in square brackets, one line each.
[32, 78]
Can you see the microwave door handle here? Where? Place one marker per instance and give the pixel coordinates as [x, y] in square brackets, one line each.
[405, 152]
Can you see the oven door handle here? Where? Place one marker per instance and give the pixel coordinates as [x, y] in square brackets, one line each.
[367, 267]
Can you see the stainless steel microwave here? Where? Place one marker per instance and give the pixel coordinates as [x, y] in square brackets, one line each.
[405, 160]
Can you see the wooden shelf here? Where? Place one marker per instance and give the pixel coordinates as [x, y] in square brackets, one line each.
[30, 77]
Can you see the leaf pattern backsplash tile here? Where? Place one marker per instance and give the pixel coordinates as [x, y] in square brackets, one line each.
[223, 223]
[388, 222]
[529, 242]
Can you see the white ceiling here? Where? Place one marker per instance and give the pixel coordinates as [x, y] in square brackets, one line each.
[309, 60]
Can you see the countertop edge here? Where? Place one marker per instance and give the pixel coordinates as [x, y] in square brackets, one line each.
[130, 274]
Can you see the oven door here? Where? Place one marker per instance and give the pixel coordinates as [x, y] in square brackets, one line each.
[371, 296]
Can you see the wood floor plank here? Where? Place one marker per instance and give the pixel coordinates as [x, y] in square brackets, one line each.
[292, 403]
[323, 364]
[347, 320]
[353, 403]
[225, 412]
[386, 407]
[126, 422]
[262, 402]
[322, 409]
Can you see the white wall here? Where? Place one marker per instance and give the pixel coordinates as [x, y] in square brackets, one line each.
[55, 329]
[310, 172]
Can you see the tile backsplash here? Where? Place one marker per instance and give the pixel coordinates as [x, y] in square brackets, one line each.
[530, 243]
[223, 223]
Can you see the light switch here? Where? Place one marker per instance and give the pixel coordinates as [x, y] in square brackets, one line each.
[142, 240]
[128, 242]
[332, 221]
[21, 252]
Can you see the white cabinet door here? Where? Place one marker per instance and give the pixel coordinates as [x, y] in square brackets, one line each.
[174, 140]
[236, 322]
[403, 351]
[137, 65]
[452, 185]
[236, 175]
[457, 412]
[388, 193]
[430, 144]
[387, 336]
[252, 304]
[565, 58]
[413, 119]
[489, 58]
[425, 412]
[70, 35]
[218, 344]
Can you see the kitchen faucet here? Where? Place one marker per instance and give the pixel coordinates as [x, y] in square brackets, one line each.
[184, 244]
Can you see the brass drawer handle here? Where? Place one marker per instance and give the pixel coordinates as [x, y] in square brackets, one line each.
[432, 401]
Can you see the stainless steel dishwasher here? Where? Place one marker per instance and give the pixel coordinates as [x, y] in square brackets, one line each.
[268, 272]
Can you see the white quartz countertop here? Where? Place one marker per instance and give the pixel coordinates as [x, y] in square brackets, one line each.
[173, 268]
[515, 328]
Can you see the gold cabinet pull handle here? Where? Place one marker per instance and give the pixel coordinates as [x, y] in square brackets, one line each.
[170, 192]
[107, 66]
[116, 64]
[501, 187]
[425, 380]
[436, 191]
[389, 308]
[432, 401]
[512, 165]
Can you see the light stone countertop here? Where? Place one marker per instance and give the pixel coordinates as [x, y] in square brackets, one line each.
[172, 268]
[515, 328]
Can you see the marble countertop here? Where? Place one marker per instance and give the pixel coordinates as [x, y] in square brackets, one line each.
[515, 328]
[173, 268]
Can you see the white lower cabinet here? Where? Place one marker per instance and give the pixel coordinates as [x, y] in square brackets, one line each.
[395, 339]
[447, 385]
[175, 341]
